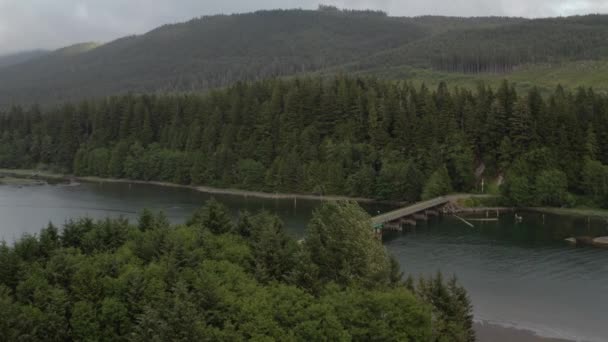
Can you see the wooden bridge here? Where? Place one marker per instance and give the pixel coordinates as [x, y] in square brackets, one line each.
[395, 220]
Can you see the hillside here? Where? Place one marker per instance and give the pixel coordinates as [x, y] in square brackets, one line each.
[209, 52]
[76, 49]
[499, 49]
[546, 77]
[20, 57]
[216, 51]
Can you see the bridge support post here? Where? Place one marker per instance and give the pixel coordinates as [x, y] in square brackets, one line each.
[432, 212]
[394, 226]
[421, 217]
[408, 221]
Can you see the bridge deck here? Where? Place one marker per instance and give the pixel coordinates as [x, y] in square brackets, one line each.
[408, 211]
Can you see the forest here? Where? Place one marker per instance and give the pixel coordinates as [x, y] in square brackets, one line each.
[217, 51]
[215, 279]
[502, 48]
[360, 137]
[205, 53]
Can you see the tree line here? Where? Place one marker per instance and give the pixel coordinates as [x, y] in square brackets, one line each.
[215, 279]
[343, 136]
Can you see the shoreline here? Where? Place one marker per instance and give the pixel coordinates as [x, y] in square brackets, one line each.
[492, 332]
[594, 213]
[200, 188]
[580, 212]
[486, 331]
[35, 174]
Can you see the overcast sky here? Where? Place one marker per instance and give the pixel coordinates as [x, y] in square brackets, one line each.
[49, 24]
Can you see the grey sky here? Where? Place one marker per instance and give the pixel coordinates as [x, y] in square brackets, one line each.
[31, 24]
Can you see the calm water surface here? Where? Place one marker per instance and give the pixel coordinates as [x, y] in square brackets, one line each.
[520, 275]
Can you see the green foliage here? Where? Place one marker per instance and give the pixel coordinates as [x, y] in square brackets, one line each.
[535, 180]
[460, 161]
[363, 183]
[329, 136]
[519, 190]
[400, 181]
[340, 244]
[213, 216]
[551, 188]
[250, 173]
[260, 45]
[389, 315]
[499, 48]
[438, 185]
[8, 267]
[153, 282]
[452, 309]
[84, 321]
[286, 136]
[595, 181]
[205, 53]
[147, 220]
[273, 250]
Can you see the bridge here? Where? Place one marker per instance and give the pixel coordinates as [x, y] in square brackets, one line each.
[396, 219]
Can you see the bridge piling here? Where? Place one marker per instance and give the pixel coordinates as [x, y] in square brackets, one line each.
[408, 222]
[432, 212]
[421, 217]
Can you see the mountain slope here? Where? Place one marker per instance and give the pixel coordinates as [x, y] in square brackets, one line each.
[503, 48]
[20, 57]
[545, 77]
[209, 52]
[217, 51]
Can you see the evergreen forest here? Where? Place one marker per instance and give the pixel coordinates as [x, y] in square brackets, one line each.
[213, 279]
[216, 51]
[360, 137]
[324, 102]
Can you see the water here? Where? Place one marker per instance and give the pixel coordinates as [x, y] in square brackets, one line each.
[520, 275]
[28, 209]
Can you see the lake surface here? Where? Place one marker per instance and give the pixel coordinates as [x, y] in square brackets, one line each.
[520, 275]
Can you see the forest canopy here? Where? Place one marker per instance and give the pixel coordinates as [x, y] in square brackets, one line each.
[215, 279]
[342, 136]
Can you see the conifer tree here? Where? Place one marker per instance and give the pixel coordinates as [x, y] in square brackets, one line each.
[438, 184]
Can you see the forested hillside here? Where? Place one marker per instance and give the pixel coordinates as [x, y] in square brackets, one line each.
[543, 76]
[217, 51]
[209, 52]
[503, 48]
[215, 280]
[21, 57]
[353, 136]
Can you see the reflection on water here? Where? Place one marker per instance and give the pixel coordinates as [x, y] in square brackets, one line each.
[27, 209]
[516, 274]
[536, 230]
